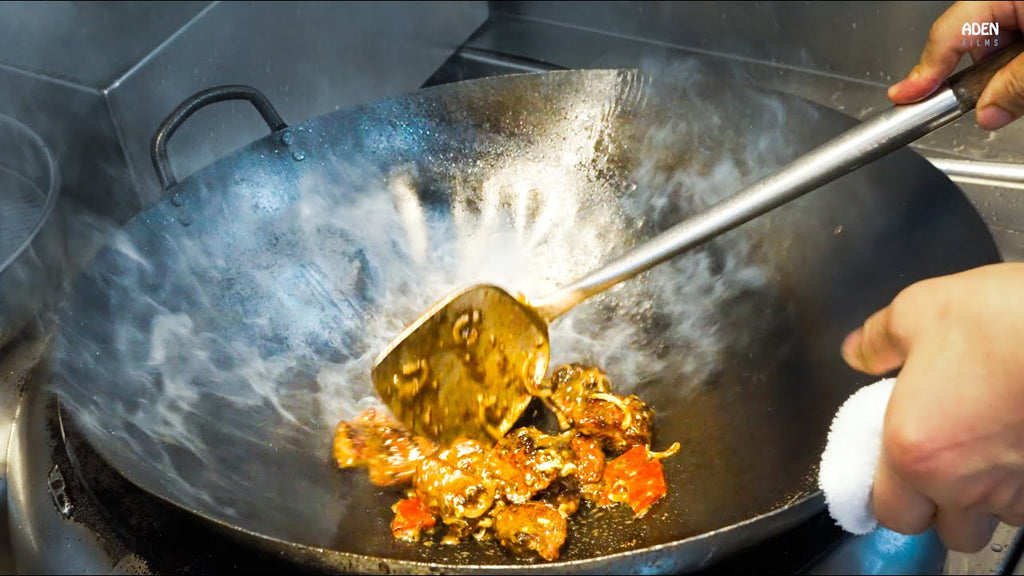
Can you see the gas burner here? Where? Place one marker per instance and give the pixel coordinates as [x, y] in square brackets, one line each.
[72, 512]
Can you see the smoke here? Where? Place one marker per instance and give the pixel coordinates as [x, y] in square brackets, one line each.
[221, 336]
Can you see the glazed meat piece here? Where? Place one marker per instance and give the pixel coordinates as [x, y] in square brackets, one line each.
[563, 494]
[531, 526]
[589, 459]
[455, 484]
[572, 385]
[582, 400]
[619, 423]
[374, 440]
[533, 460]
[461, 483]
[590, 464]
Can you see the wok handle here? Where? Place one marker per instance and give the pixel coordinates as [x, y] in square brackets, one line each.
[167, 128]
[872, 139]
[969, 83]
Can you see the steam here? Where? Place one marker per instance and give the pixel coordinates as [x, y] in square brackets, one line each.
[216, 340]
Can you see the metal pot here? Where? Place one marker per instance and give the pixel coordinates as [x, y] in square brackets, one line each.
[30, 244]
[207, 351]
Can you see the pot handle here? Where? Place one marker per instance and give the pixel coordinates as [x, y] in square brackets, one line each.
[158, 150]
[968, 84]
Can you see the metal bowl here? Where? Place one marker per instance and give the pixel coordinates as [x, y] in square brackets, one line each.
[29, 266]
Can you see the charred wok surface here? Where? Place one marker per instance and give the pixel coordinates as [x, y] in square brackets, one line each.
[522, 490]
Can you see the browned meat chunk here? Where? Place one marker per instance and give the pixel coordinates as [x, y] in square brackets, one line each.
[531, 526]
[618, 423]
[563, 495]
[583, 400]
[589, 459]
[388, 451]
[536, 459]
[522, 489]
[455, 484]
[572, 385]
[590, 462]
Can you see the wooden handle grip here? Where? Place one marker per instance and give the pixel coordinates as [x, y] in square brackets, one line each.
[969, 83]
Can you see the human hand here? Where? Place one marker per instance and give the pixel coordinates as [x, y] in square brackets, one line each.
[953, 439]
[1003, 99]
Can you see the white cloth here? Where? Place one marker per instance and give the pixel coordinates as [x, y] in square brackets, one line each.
[847, 471]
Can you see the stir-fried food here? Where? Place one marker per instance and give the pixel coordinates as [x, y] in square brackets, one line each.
[521, 490]
[533, 526]
[380, 444]
[582, 400]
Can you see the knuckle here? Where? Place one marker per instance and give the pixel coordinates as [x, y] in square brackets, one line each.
[902, 308]
[969, 497]
[970, 543]
[1005, 498]
[900, 522]
[1013, 519]
[915, 292]
[893, 323]
[892, 512]
[909, 452]
[1011, 87]
[920, 302]
[907, 296]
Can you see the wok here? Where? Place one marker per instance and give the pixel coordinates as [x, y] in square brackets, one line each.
[208, 350]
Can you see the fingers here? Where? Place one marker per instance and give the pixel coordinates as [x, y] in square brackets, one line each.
[940, 57]
[902, 506]
[874, 348]
[965, 530]
[946, 46]
[897, 505]
[1002, 101]
[1012, 519]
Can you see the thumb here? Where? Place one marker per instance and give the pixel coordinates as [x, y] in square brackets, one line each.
[874, 348]
[1002, 101]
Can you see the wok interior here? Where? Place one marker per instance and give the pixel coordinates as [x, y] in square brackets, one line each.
[209, 350]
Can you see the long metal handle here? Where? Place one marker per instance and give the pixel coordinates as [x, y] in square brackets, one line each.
[170, 125]
[889, 131]
[1000, 174]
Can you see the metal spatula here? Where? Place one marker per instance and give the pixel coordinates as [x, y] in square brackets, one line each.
[469, 365]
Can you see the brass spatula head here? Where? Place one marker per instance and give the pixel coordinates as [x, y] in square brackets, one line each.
[467, 368]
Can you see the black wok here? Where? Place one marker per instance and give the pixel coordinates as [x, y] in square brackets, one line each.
[208, 350]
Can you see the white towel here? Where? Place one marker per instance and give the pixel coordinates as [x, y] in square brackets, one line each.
[847, 471]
